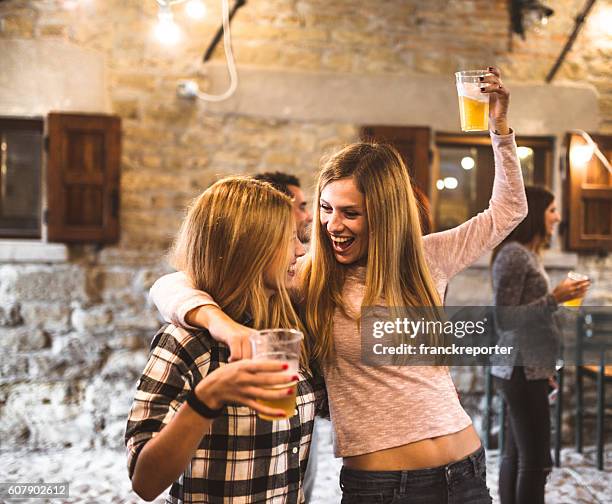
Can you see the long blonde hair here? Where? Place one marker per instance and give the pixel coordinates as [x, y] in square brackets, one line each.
[396, 272]
[232, 232]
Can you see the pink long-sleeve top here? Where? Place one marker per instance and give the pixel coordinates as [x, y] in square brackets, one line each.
[376, 408]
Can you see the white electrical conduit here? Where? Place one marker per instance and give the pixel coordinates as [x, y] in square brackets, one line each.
[229, 55]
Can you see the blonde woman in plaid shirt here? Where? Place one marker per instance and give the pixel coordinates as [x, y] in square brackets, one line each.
[193, 422]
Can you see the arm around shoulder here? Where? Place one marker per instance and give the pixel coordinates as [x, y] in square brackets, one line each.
[175, 298]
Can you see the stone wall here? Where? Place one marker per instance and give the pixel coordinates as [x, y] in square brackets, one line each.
[73, 335]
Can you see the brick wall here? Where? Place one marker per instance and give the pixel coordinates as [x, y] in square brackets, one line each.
[73, 336]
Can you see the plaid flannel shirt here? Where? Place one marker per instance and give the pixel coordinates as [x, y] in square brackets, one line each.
[242, 459]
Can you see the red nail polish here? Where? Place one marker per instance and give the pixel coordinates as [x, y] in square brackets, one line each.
[281, 415]
[285, 366]
[290, 392]
[295, 378]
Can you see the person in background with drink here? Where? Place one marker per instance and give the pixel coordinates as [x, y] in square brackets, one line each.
[519, 279]
[401, 431]
[193, 419]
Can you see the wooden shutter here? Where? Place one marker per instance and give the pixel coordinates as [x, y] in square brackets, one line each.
[83, 178]
[588, 199]
[413, 145]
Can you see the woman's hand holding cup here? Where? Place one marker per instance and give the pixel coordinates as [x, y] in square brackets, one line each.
[499, 100]
[574, 287]
[248, 382]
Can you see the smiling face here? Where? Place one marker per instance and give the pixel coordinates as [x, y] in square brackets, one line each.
[551, 218]
[282, 269]
[342, 215]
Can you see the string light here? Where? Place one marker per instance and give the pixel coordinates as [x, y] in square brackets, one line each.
[195, 9]
[166, 30]
[70, 4]
[580, 155]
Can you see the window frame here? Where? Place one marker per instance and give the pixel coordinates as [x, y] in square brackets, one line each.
[37, 125]
[578, 192]
[542, 145]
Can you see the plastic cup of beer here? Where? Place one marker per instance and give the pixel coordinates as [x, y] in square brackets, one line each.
[576, 277]
[281, 345]
[473, 104]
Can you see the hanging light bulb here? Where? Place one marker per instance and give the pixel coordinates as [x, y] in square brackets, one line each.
[580, 155]
[440, 184]
[166, 30]
[195, 9]
[70, 4]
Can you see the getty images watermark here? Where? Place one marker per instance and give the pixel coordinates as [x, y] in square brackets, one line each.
[470, 336]
[435, 333]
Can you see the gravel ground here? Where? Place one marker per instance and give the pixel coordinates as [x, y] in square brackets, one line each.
[100, 476]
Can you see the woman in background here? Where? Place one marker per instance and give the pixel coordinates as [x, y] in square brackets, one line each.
[519, 279]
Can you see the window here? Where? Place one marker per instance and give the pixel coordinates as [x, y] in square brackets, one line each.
[21, 150]
[463, 171]
[457, 174]
[587, 195]
[78, 198]
[412, 144]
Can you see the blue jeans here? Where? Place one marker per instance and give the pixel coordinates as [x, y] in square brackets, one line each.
[462, 482]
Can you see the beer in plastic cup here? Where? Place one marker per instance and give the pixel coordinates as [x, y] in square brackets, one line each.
[282, 345]
[576, 302]
[473, 104]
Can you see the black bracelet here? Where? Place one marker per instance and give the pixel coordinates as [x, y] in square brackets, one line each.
[201, 409]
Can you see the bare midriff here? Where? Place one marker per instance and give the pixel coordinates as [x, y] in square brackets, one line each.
[423, 454]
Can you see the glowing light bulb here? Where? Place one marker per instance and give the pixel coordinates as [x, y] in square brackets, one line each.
[166, 30]
[580, 155]
[195, 9]
[451, 182]
[524, 152]
[440, 184]
[600, 22]
[70, 4]
[467, 163]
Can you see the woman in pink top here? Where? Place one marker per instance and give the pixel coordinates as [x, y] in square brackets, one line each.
[401, 430]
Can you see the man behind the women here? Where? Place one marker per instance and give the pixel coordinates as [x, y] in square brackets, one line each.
[290, 185]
